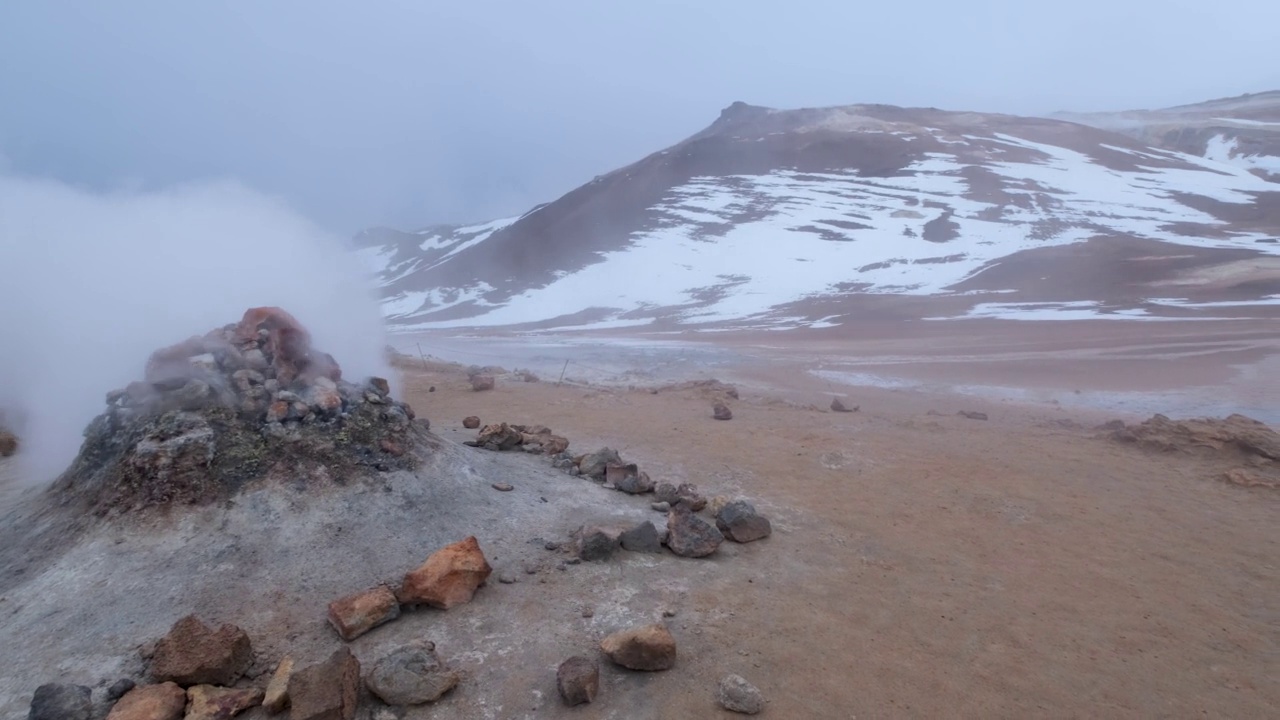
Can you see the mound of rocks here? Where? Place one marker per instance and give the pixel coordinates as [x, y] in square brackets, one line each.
[238, 403]
[1236, 438]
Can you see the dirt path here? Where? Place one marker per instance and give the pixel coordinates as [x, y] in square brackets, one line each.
[934, 566]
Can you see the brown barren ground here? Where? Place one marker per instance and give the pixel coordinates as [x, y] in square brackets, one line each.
[934, 566]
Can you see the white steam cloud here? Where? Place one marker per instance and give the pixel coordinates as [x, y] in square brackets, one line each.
[91, 284]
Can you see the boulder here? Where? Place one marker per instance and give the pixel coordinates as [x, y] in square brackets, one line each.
[578, 680]
[449, 577]
[195, 654]
[61, 702]
[735, 694]
[165, 701]
[740, 522]
[276, 698]
[355, 615]
[838, 406]
[482, 382]
[207, 702]
[471, 422]
[411, 675]
[627, 478]
[593, 465]
[720, 411]
[690, 535]
[642, 538]
[327, 690]
[597, 543]
[649, 647]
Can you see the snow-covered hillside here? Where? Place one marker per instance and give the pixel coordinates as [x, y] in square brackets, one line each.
[789, 218]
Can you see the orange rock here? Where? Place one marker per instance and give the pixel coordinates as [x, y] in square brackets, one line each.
[355, 615]
[166, 701]
[206, 702]
[449, 577]
[276, 699]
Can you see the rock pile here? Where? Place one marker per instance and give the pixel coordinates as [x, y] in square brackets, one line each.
[216, 411]
[1237, 439]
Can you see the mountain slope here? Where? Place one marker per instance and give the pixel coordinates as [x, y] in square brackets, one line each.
[811, 217]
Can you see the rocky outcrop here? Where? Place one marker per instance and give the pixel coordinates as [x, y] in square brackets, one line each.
[165, 701]
[195, 654]
[650, 647]
[327, 690]
[61, 702]
[578, 680]
[449, 577]
[1235, 440]
[355, 615]
[411, 675]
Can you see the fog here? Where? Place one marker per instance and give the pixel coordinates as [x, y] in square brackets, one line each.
[92, 283]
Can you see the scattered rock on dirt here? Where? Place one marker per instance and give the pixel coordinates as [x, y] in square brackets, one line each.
[61, 702]
[165, 701]
[690, 535]
[737, 695]
[597, 543]
[411, 675]
[195, 654]
[641, 538]
[593, 465]
[355, 615]
[838, 406]
[740, 522]
[471, 422]
[206, 702]
[628, 478]
[327, 690]
[449, 577]
[972, 414]
[578, 680]
[720, 411]
[649, 647]
[482, 382]
[276, 698]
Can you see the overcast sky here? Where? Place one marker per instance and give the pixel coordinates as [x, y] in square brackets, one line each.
[408, 113]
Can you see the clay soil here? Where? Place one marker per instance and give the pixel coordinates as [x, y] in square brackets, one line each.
[928, 565]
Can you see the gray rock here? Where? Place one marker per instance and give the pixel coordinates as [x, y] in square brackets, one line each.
[661, 506]
[737, 695]
[628, 478]
[61, 702]
[596, 543]
[593, 465]
[720, 411]
[412, 675]
[119, 688]
[482, 382]
[740, 522]
[666, 492]
[578, 680]
[690, 535]
[642, 538]
[838, 406]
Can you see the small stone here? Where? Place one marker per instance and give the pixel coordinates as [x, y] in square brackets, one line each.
[551, 545]
[195, 654]
[642, 538]
[973, 415]
[720, 411]
[327, 690]
[506, 578]
[206, 702]
[119, 688]
[503, 487]
[449, 577]
[661, 506]
[669, 612]
[165, 701]
[838, 406]
[578, 680]
[482, 382]
[740, 522]
[471, 422]
[588, 611]
[431, 389]
[276, 699]
[595, 543]
[649, 647]
[690, 535]
[735, 694]
[355, 615]
[61, 702]
[411, 675]
[627, 478]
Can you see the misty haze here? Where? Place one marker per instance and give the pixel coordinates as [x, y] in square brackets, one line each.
[639, 361]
